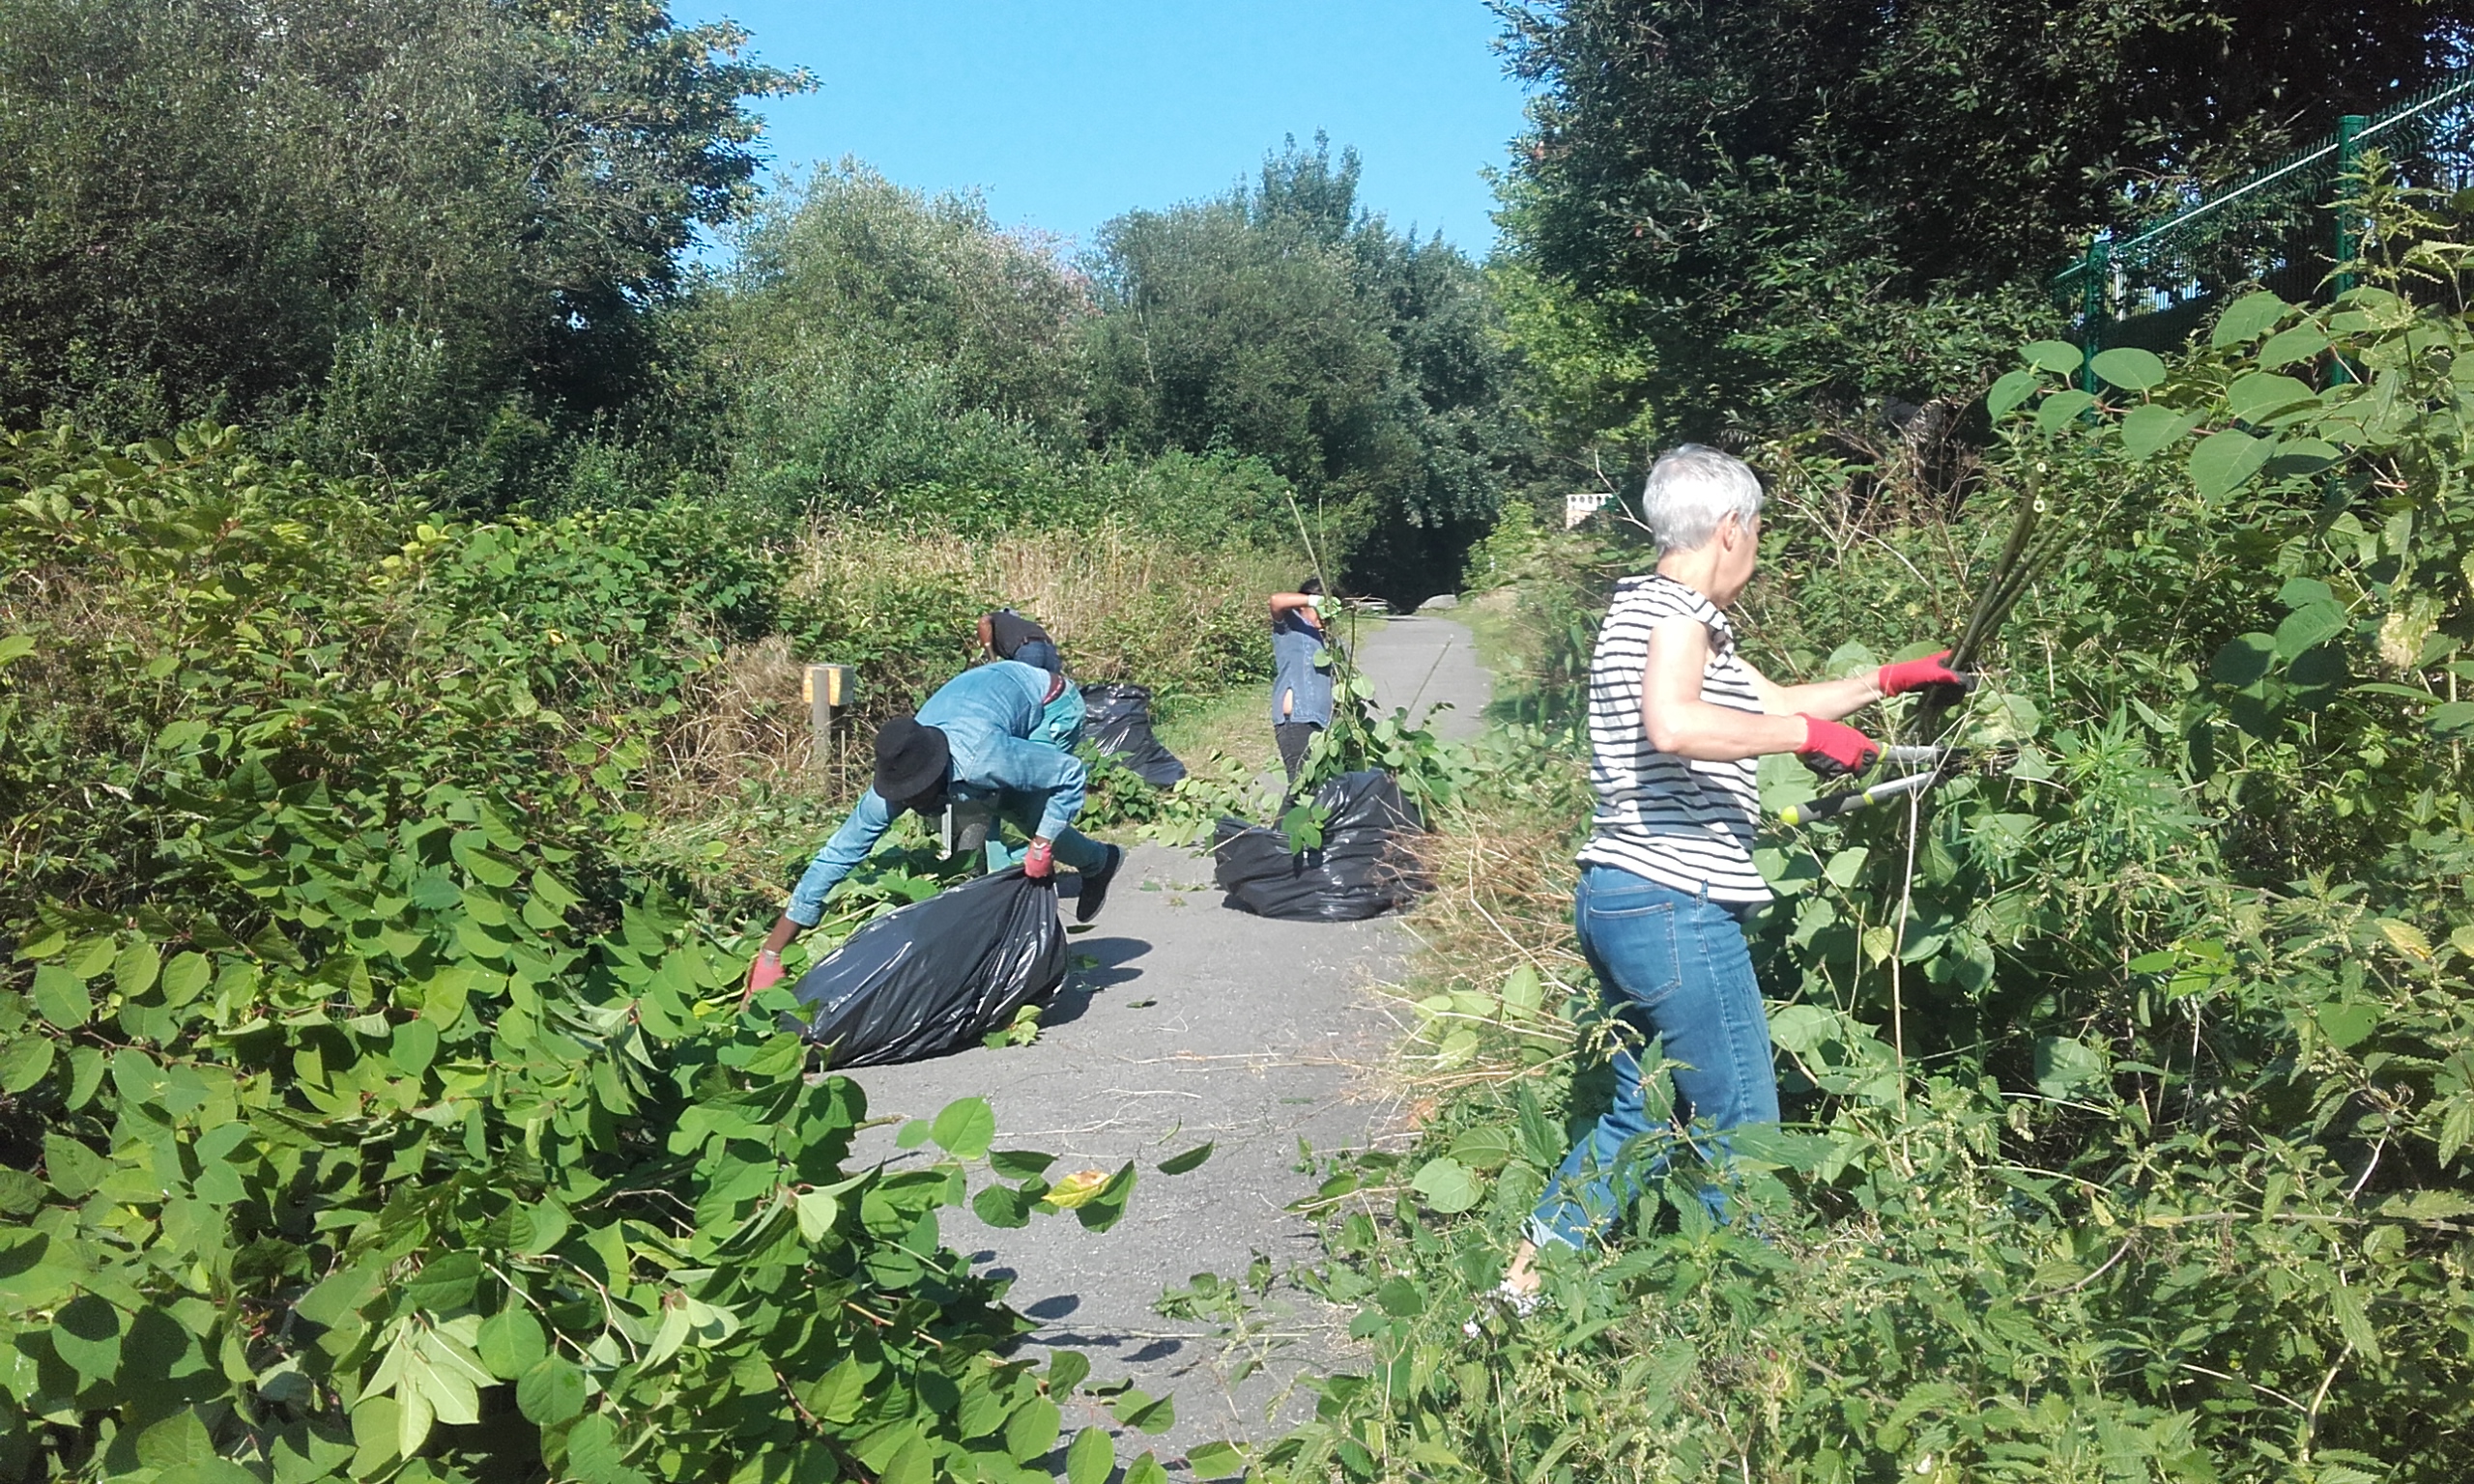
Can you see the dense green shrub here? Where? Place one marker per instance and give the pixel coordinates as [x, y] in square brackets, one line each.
[2132, 1072]
[372, 1108]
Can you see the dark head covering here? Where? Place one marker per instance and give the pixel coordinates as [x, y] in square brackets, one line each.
[911, 760]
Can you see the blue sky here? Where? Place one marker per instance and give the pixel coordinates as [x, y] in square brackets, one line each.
[1065, 112]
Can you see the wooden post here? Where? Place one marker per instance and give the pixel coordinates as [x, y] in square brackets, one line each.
[824, 688]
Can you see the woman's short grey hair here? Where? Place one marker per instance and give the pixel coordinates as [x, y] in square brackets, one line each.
[1691, 489]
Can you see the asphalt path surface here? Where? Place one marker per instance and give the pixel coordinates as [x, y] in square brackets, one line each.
[1188, 1022]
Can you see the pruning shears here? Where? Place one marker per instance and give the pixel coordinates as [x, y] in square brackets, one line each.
[1935, 762]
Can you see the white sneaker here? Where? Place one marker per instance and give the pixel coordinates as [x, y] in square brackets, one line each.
[1516, 1302]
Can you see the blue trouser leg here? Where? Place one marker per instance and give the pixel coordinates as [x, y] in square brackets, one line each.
[1676, 970]
[1074, 850]
[1061, 728]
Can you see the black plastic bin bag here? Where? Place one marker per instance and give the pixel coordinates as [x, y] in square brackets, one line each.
[935, 976]
[1117, 719]
[1365, 866]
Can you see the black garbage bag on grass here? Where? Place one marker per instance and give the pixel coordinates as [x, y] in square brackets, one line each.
[1117, 719]
[935, 976]
[1364, 866]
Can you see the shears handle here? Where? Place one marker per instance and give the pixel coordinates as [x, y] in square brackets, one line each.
[1830, 805]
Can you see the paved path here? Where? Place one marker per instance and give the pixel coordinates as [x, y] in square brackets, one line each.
[1191, 1022]
[1424, 662]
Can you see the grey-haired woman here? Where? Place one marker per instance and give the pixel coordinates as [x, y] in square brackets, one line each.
[1678, 720]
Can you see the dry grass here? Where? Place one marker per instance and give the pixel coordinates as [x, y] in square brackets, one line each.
[744, 719]
[1235, 724]
[1502, 898]
[733, 787]
[1123, 605]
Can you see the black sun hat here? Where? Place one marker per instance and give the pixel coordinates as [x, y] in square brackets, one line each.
[910, 759]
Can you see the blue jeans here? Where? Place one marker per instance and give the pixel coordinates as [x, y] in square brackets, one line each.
[1675, 971]
[1061, 728]
[1074, 850]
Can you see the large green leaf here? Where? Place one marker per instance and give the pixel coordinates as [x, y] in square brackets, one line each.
[550, 1393]
[2147, 429]
[2067, 1067]
[965, 1127]
[2010, 391]
[2222, 463]
[511, 1342]
[2059, 357]
[2262, 393]
[60, 997]
[2307, 627]
[1145, 1412]
[2346, 1024]
[2248, 318]
[24, 1060]
[1190, 1161]
[1091, 1459]
[2243, 661]
[1802, 1029]
[2130, 368]
[2285, 347]
[2062, 408]
[87, 1333]
[1447, 1184]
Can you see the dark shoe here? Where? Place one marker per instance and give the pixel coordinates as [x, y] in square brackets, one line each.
[1093, 894]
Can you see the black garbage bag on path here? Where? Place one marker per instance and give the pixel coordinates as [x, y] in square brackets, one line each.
[935, 976]
[1364, 866]
[1117, 719]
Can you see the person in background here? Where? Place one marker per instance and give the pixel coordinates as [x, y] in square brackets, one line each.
[1006, 635]
[1677, 718]
[971, 742]
[1300, 674]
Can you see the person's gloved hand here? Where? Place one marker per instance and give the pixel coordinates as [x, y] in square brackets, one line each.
[764, 973]
[1834, 748]
[1039, 860]
[1916, 675]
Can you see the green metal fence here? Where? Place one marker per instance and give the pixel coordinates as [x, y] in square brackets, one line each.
[2277, 230]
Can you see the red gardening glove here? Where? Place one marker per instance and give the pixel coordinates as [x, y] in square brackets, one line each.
[763, 974]
[1834, 748]
[1039, 860]
[1916, 675]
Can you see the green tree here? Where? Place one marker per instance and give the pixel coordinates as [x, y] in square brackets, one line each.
[1286, 323]
[1798, 201]
[884, 342]
[464, 210]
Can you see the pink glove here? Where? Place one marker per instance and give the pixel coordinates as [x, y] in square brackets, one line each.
[764, 973]
[1039, 860]
[1916, 675]
[1832, 749]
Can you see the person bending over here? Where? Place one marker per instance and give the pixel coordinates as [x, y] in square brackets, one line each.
[1300, 674]
[971, 742]
[1006, 635]
[1677, 718]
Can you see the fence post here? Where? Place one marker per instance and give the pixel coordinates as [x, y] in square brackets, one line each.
[823, 685]
[2094, 308]
[2349, 159]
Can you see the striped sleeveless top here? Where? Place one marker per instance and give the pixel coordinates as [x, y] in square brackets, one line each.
[1683, 824]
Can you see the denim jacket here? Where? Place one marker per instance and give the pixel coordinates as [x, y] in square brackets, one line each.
[990, 717]
[1301, 670]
